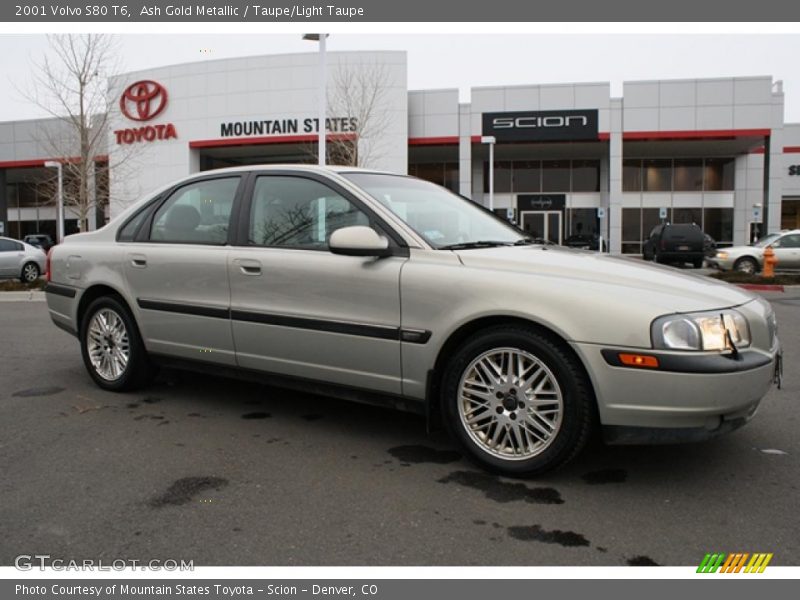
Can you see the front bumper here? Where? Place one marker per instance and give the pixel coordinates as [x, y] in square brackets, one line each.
[692, 400]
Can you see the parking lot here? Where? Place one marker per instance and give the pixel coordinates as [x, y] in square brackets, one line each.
[230, 473]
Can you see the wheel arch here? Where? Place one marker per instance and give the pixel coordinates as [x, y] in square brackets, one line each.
[94, 292]
[747, 257]
[470, 328]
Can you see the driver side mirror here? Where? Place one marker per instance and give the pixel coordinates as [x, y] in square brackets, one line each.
[359, 240]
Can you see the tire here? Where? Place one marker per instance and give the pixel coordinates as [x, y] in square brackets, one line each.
[523, 446]
[698, 264]
[120, 334]
[30, 272]
[746, 265]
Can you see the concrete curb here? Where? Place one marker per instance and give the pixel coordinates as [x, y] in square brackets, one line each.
[29, 296]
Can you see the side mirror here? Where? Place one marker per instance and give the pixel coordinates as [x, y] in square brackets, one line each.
[358, 240]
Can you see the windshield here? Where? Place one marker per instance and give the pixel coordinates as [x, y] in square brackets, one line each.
[442, 218]
[767, 240]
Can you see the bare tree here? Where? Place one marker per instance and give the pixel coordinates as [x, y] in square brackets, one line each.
[71, 85]
[357, 95]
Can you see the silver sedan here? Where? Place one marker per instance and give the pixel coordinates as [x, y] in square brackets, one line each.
[750, 259]
[384, 288]
[21, 261]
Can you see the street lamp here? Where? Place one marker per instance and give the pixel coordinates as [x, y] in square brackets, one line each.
[491, 140]
[54, 164]
[321, 37]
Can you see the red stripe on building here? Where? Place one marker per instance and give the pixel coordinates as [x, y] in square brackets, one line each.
[791, 149]
[273, 139]
[707, 134]
[39, 162]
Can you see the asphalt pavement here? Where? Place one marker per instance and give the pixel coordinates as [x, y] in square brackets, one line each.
[224, 472]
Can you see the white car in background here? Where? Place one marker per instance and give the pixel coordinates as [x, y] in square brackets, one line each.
[19, 260]
[750, 259]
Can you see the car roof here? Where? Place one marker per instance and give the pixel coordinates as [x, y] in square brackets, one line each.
[295, 167]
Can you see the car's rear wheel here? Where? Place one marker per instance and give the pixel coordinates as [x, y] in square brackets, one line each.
[30, 272]
[698, 264]
[517, 401]
[112, 348]
[746, 265]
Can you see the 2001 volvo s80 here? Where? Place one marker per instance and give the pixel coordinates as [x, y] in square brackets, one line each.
[381, 287]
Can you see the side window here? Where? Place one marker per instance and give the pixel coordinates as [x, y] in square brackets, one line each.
[198, 213]
[788, 241]
[7, 246]
[127, 233]
[299, 213]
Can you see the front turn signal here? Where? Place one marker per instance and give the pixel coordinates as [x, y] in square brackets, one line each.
[638, 360]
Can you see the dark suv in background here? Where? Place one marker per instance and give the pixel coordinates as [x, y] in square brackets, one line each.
[679, 243]
[40, 240]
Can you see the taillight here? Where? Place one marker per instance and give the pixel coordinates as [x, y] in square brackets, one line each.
[47, 266]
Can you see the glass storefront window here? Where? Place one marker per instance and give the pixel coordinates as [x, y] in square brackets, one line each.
[688, 215]
[650, 218]
[527, 176]
[502, 177]
[631, 230]
[657, 175]
[585, 175]
[555, 176]
[689, 175]
[719, 174]
[718, 223]
[444, 174]
[631, 175]
[582, 221]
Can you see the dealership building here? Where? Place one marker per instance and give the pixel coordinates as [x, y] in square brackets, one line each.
[567, 158]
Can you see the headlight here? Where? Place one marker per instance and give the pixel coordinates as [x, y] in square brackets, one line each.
[722, 255]
[772, 327]
[717, 330]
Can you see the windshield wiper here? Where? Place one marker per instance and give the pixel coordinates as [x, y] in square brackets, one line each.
[527, 241]
[475, 244]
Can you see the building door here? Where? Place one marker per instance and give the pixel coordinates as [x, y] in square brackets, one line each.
[543, 224]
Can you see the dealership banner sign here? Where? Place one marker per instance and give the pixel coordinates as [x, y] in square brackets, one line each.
[541, 125]
[368, 11]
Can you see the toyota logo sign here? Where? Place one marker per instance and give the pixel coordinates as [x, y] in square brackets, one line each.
[143, 100]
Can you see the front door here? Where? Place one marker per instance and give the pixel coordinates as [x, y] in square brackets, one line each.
[543, 224]
[299, 310]
[787, 251]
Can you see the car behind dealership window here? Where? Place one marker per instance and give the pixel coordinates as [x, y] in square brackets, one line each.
[198, 213]
[298, 213]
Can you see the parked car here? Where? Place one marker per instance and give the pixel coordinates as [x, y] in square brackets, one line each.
[709, 246]
[584, 241]
[385, 288]
[750, 259]
[40, 240]
[21, 261]
[675, 243]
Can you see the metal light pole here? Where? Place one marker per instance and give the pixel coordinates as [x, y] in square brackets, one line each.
[54, 164]
[323, 98]
[491, 140]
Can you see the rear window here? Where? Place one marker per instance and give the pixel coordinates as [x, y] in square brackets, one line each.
[683, 232]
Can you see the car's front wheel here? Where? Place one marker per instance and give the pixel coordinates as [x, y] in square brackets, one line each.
[746, 265]
[112, 348]
[30, 272]
[518, 402]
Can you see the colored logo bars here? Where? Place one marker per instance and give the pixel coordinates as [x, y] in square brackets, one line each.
[734, 563]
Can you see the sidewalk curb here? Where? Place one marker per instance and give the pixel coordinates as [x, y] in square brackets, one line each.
[28, 296]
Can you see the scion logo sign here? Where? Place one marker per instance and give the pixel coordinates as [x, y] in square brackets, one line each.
[541, 126]
[794, 170]
[142, 101]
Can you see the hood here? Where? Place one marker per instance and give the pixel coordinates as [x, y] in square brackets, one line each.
[665, 287]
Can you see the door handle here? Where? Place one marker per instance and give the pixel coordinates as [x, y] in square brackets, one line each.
[138, 261]
[248, 266]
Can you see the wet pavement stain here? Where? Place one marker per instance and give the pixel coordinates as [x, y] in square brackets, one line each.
[642, 561]
[479, 522]
[154, 417]
[196, 415]
[39, 391]
[605, 476]
[256, 415]
[601, 549]
[312, 417]
[534, 533]
[417, 454]
[500, 491]
[183, 490]
[132, 405]
[252, 402]
[151, 400]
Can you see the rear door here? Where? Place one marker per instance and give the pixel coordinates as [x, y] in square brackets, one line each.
[176, 270]
[10, 256]
[299, 310]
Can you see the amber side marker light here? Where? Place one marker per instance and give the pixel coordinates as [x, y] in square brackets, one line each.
[639, 360]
